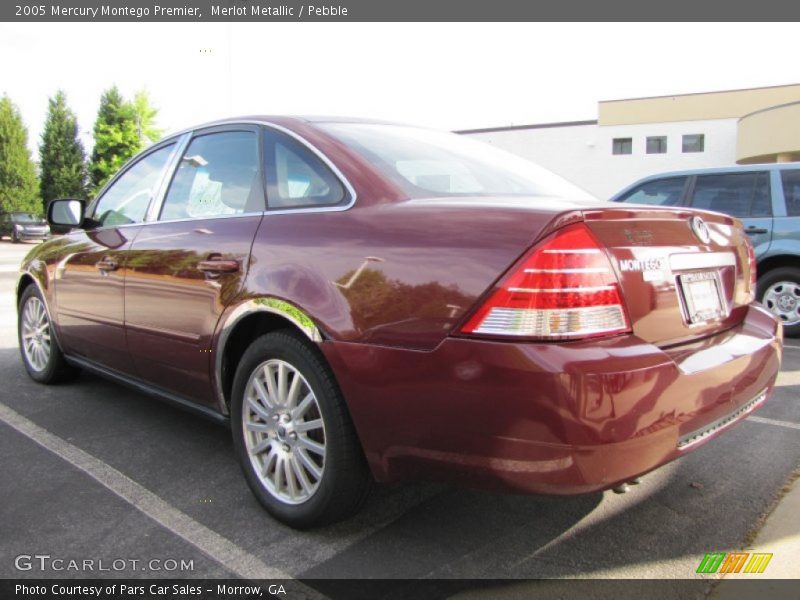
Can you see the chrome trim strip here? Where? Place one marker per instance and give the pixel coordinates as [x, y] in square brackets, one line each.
[269, 305]
[695, 437]
[701, 260]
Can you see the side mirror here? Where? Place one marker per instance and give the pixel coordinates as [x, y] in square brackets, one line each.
[65, 214]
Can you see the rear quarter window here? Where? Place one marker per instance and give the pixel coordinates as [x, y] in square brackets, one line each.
[791, 191]
[660, 192]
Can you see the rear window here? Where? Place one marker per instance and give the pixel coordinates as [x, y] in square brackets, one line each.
[427, 163]
[791, 191]
[737, 194]
[661, 192]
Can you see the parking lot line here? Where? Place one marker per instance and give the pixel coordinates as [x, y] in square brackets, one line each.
[210, 543]
[766, 421]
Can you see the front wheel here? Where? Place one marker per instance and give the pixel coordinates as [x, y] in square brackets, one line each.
[41, 355]
[779, 291]
[293, 435]
[14, 237]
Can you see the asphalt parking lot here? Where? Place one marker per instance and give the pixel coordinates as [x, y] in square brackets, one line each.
[94, 470]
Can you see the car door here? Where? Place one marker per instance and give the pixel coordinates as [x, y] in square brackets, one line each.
[89, 280]
[742, 194]
[189, 262]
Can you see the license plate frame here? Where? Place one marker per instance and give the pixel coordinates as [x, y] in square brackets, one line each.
[702, 296]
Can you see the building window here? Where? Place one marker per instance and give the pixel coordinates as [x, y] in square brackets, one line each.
[657, 144]
[694, 142]
[622, 146]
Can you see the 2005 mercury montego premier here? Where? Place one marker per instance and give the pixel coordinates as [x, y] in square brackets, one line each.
[367, 301]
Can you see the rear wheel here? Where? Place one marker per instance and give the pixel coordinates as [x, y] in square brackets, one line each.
[41, 355]
[293, 435]
[779, 291]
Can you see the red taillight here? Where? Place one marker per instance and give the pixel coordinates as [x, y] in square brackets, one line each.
[563, 288]
[751, 260]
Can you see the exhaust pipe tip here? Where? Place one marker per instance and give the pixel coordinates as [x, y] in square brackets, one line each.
[623, 488]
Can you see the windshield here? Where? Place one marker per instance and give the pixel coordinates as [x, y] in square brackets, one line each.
[26, 218]
[427, 163]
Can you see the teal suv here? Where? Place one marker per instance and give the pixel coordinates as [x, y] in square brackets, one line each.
[766, 198]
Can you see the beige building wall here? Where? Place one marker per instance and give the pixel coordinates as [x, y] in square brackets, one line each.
[695, 107]
[769, 135]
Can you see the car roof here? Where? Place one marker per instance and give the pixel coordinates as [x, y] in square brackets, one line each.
[728, 169]
[280, 120]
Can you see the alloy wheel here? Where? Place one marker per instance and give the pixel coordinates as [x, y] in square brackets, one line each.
[783, 299]
[284, 432]
[36, 341]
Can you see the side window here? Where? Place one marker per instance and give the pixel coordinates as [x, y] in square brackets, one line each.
[126, 201]
[791, 191]
[661, 192]
[217, 175]
[296, 177]
[737, 194]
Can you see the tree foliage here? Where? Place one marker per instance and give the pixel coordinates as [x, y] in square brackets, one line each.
[116, 137]
[61, 154]
[19, 189]
[146, 118]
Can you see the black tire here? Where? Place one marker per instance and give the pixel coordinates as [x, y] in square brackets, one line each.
[788, 275]
[345, 481]
[56, 369]
[14, 237]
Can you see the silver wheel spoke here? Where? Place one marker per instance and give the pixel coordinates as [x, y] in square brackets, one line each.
[289, 474]
[259, 427]
[294, 390]
[271, 386]
[301, 474]
[258, 409]
[311, 445]
[261, 446]
[282, 383]
[304, 406]
[309, 464]
[304, 426]
[263, 394]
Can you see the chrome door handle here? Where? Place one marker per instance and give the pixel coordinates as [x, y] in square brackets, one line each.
[755, 230]
[106, 264]
[216, 266]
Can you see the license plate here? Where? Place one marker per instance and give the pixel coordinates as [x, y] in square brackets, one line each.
[701, 292]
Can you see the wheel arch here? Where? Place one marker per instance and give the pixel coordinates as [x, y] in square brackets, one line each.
[777, 261]
[247, 321]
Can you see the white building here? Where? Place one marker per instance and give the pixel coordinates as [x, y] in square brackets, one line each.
[638, 137]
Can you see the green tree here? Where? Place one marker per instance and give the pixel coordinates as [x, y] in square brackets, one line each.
[146, 118]
[116, 137]
[61, 154]
[19, 189]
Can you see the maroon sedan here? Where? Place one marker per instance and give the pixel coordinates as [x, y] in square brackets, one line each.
[367, 301]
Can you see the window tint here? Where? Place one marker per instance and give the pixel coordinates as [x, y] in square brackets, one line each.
[127, 199]
[622, 146]
[694, 142]
[296, 177]
[217, 175]
[662, 192]
[791, 192]
[737, 194]
[657, 144]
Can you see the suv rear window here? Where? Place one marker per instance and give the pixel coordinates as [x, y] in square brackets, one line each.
[791, 191]
[736, 194]
[661, 192]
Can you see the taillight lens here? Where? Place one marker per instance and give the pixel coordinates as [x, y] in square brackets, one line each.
[564, 288]
[751, 260]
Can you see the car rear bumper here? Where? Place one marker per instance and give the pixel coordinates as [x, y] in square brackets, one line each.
[32, 235]
[562, 418]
